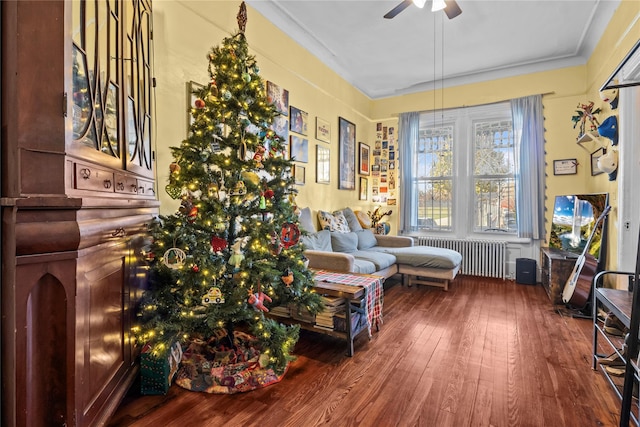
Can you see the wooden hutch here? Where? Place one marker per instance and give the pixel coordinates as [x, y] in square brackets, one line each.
[78, 189]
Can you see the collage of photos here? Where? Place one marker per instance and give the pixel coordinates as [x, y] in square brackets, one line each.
[384, 166]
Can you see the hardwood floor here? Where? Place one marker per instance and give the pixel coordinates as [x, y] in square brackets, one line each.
[485, 353]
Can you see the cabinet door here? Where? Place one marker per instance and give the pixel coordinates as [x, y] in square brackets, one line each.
[102, 358]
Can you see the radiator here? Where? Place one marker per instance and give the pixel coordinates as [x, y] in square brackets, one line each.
[486, 258]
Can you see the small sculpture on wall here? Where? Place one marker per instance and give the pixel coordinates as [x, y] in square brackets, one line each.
[586, 112]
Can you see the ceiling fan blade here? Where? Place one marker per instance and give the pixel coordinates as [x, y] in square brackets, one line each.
[452, 9]
[399, 8]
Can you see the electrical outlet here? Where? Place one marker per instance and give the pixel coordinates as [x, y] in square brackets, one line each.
[627, 225]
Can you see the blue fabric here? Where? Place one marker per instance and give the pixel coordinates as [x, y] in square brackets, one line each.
[424, 256]
[366, 239]
[380, 259]
[528, 129]
[320, 241]
[344, 242]
[363, 266]
[408, 133]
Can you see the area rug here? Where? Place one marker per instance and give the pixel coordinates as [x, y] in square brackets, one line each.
[213, 367]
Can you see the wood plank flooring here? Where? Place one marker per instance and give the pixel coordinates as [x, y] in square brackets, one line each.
[485, 353]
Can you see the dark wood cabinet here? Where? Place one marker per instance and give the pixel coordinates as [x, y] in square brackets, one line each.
[78, 189]
[556, 269]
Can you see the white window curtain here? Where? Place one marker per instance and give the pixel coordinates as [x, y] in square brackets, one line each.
[408, 134]
[528, 129]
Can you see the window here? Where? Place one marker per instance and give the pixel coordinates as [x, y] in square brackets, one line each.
[463, 172]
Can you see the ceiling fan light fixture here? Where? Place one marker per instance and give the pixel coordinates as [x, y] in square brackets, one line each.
[420, 3]
[437, 5]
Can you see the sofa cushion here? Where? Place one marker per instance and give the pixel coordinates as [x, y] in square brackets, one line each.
[320, 241]
[380, 259]
[306, 223]
[363, 219]
[423, 256]
[366, 239]
[364, 267]
[333, 222]
[352, 220]
[344, 242]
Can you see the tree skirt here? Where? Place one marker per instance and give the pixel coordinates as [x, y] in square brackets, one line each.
[213, 367]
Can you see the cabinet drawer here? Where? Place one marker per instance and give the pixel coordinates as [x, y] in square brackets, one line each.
[126, 184]
[146, 188]
[90, 177]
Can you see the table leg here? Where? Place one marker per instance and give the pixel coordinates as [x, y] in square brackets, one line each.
[347, 317]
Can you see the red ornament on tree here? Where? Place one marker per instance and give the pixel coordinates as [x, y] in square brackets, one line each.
[199, 103]
[218, 243]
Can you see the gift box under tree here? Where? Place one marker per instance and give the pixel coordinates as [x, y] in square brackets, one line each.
[158, 367]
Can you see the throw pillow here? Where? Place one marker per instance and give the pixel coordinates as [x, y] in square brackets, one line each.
[331, 222]
[366, 239]
[320, 241]
[363, 219]
[352, 220]
[306, 223]
[344, 242]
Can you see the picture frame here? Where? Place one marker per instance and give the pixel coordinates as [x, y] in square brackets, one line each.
[363, 162]
[364, 188]
[595, 170]
[278, 97]
[298, 120]
[565, 167]
[299, 174]
[299, 149]
[323, 130]
[323, 155]
[347, 154]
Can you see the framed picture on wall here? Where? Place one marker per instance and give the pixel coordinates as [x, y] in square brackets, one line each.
[299, 149]
[299, 174]
[279, 97]
[322, 164]
[298, 120]
[364, 159]
[565, 167]
[323, 130]
[364, 188]
[347, 154]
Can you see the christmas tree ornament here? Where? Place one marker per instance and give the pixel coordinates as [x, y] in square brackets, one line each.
[239, 189]
[174, 258]
[290, 235]
[274, 245]
[246, 77]
[287, 279]
[173, 191]
[199, 103]
[174, 168]
[257, 301]
[213, 296]
[263, 202]
[226, 95]
[220, 227]
[218, 244]
[268, 193]
[252, 177]
[237, 256]
[195, 268]
[193, 214]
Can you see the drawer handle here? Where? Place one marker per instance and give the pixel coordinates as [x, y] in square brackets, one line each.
[107, 183]
[119, 232]
[120, 186]
[85, 173]
[141, 189]
[134, 188]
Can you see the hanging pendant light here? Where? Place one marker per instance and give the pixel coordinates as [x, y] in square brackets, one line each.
[419, 3]
[437, 5]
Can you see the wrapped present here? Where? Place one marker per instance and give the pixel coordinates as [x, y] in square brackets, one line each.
[158, 369]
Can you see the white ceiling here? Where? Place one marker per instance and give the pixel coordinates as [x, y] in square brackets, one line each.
[421, 50]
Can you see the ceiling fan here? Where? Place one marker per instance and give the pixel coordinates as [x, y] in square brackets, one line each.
[450, 7]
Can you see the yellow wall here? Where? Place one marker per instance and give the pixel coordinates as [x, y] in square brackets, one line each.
[186, 30]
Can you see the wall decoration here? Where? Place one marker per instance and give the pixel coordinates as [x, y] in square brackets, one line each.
[279, 97]
[595, 170]
[280, 126]
[298, 120]
[299, 174]
[299, 149]
[322, 164]
[323, 130]
[347, 158]
[364, 159]
[364, 188]
[565, 167]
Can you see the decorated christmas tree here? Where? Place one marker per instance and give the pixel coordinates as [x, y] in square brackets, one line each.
[231, 251]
